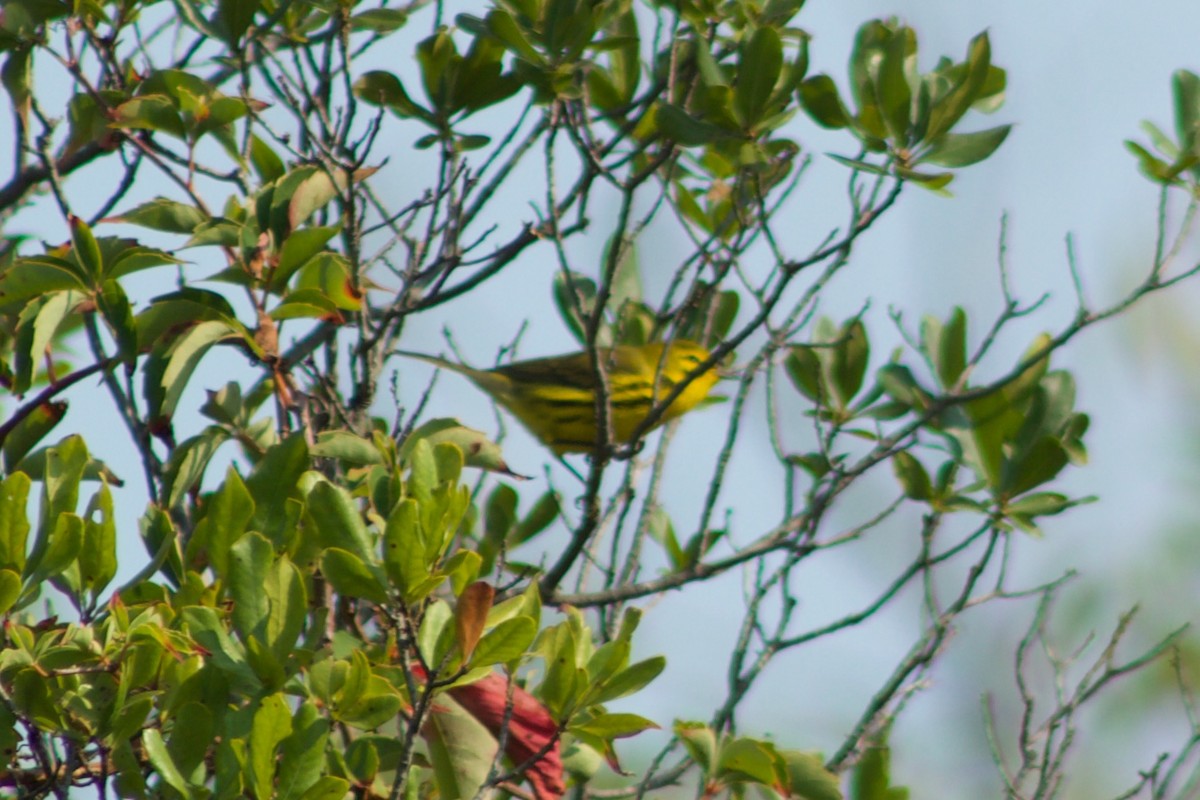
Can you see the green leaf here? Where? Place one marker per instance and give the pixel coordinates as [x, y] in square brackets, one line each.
[379, 20]
[381, 88]
[60, 532]
[964, 149]
[681, 127]
[477, 448]
[630, 680]
[759, 64]
[849, 363]
[950, 353]
[16, 75]
[346, 446]
[436, 636]
[869, 45]
[337, 516]
[271, 485]
[188, 463]
[807, 778]
[946, 112]
[86, 249]
[164, 765]
[744, 759]
[871, 777]
[98, 555]
[307, 304]
[162, 214]
[330, 274]
[35, 276]
[406, 557]
[613, 726]
[1034, 466]
[700, 742]
[348, 575]
[227, 513]
[803, 367]
[265, 161]
[10, 590]
[185, 353]
[1043, 504]
[893, 89]
[1185, 87]
[233, 18]
[118, 313]
[546, 509]
[29, 432]
[912, 476]
[302, 753]
[191, 736]
[461, 749]
[272, 724]
[575, 298]
[328, 788]
[155, 112]
[250, 560]
[298, 249]
[504, 643]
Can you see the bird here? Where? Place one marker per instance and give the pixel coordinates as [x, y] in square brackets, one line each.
[555, 397]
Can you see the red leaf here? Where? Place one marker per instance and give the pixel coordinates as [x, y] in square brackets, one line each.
[531, 730]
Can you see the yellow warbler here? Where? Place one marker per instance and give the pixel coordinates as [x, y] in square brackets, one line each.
[555, 397]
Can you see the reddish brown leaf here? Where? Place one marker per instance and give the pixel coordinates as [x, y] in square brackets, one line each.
[471, 613]
[531, 730]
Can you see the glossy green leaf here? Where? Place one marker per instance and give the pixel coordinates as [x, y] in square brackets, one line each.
[330, 274]
[346, 446]
[298, 249]
[379, 20]
[302, 753]
[273, 482]
[461, 749]
[681, 127]
[164, 766]
[16, 75]
[807, 778]
[893, 89]
[614, 726]
[914, 480]
[191, 736]
[631, 679]
[950, 352]
[34, 276]
[98, 554]
[272, 724]
[803, 367]
[10, 590]
[118, 314]
[29, 432]
[949, 110]
[759, 64]
[162, 214]
[849, 361]
[744, 759]
[964, 149]
[700, 742]
[337, 516]
[14, 522]
[349, 576]
[385, 89]
[153, 112]
[504, 643]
